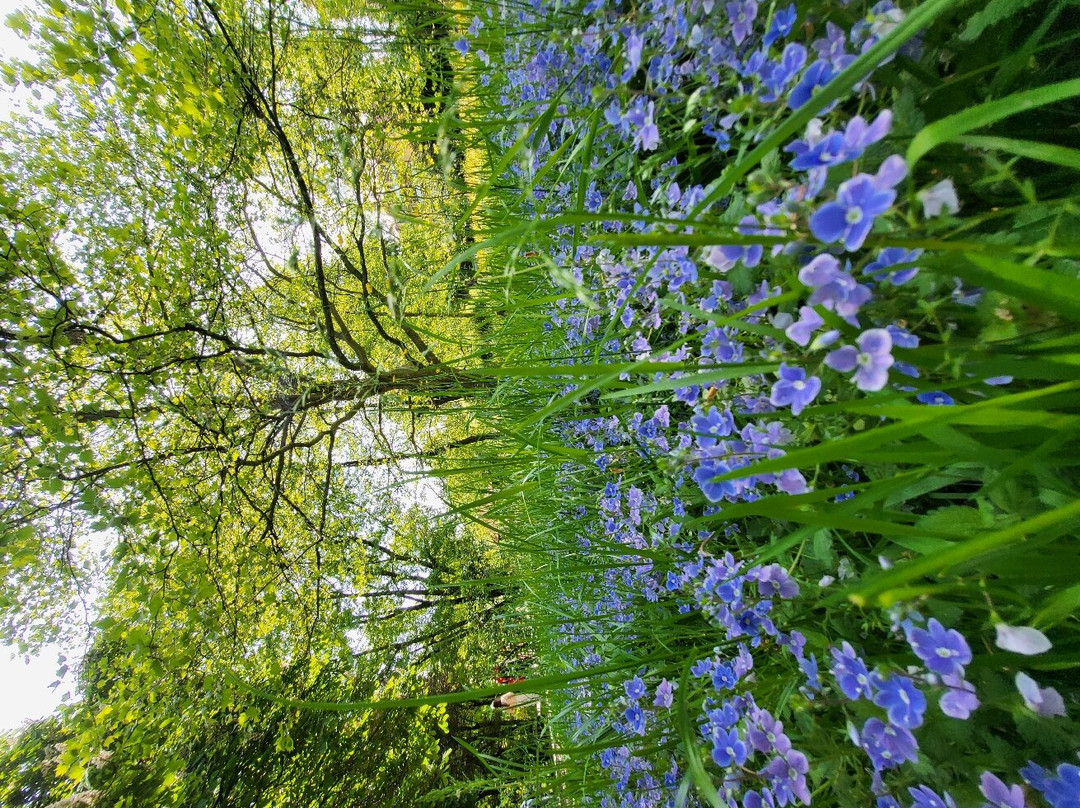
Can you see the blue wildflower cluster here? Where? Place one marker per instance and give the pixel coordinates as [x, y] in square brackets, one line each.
[758, 307]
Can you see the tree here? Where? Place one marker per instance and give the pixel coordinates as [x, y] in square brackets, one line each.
[165, 374]
[215, 244]
[28, 765]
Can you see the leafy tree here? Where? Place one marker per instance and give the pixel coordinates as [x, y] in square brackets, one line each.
[28, 765]
[165, 374]
[217, 344]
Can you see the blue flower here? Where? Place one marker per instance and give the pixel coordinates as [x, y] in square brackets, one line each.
[880, 269]
[834, 288]
[703, 667]
[777, 76]
[728, 750]
[772, 579]
[711, 426]
[713, 489]
[754, 799]
[664, 695]
[927, 798]
[903, 701]
[832, 47]
[959, 700]
[724, 257]
[851, 673]
[871, 362]
[724, 678]
[635, 719]
[718, 344]
[794, 389]
[809, 667]
[945, 651]
[935, 398]
[789, 777]
[767, 734]
[462, 46]
[829, 151]
[791, 481]
[938, 198]
[887, 745]
[859, 134]
[817, 75]
[849, 219]
[782, 22]
[1062, 791]
[635, 688]
[640, 119]
[741, 15]
[634, 46]
[999, 794]
[819, 149]
[1044, 701]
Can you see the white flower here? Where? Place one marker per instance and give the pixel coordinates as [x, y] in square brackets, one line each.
[939, 197]
[1045, 701]
[1021, 640]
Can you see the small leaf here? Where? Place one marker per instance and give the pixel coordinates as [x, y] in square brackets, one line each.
[991, 14]
[1059, 606]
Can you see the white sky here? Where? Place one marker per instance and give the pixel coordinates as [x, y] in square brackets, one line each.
[24, 688]
[11, 47]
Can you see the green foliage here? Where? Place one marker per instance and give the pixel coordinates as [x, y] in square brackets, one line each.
[260, 265]
[222, 358]
[28, 765]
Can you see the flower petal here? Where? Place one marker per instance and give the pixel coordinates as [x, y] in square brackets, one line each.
[843, 359]
[1022, 640]
[1028, 688]
[876, 341]
[830, 223]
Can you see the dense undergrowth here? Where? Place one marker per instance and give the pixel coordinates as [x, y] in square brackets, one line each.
[789, 347]
[755, 376]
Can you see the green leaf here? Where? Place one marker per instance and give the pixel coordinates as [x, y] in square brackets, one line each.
[1037, 287]
[992, 13]
[1056, 608]
[957, 519]
[952, 127]
[1044, 152]
[689, 736]
[882, 589]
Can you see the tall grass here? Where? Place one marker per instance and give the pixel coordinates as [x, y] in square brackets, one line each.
[964, 512]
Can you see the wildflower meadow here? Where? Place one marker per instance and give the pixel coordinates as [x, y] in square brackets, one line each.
[804, 528]
[740, 353]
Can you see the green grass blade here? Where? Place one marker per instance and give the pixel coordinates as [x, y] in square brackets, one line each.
[1044, 152]
[881, 590]
[952, 127]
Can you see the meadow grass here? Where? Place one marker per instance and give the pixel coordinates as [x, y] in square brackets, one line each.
[947, 493]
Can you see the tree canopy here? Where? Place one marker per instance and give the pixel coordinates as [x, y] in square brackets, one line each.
[225, 339]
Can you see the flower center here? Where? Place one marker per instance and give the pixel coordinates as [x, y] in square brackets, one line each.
[798, 385]
[853, 215]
